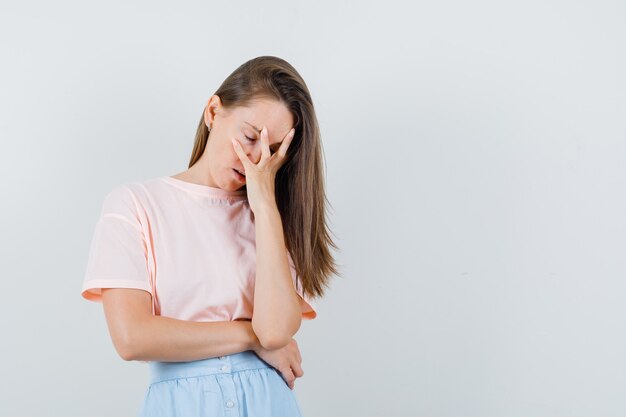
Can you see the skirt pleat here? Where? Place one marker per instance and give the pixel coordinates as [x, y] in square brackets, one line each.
[236, 385]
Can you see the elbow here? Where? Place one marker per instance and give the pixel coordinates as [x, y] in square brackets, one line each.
[272, 339]
[126, 354]
[272, 342]
[127, 350]
[276, 337]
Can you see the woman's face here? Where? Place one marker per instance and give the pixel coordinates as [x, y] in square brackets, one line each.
[244, 124]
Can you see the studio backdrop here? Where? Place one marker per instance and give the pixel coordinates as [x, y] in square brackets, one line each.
[474, 168]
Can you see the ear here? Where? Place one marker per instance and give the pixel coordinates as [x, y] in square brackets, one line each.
[211, 109]
[207, 114]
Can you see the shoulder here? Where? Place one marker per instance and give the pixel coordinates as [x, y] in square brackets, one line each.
[129, 197]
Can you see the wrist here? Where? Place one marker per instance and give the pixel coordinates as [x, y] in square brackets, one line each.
[253, 340]
[266, 211]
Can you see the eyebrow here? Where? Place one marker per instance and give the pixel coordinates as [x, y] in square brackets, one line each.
[255, 128]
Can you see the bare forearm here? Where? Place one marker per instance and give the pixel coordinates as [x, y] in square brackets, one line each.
[167, 339]
[277, 314]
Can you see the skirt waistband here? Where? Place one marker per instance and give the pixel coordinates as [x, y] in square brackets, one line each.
[161, 371]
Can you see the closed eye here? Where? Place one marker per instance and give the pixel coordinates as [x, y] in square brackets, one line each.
[273, 151]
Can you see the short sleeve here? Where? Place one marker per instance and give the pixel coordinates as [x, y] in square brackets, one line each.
[309, 309]
[118, 252]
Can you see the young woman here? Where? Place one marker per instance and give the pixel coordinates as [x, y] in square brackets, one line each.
[181, 262]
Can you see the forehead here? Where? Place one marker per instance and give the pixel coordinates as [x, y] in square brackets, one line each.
[270, 113]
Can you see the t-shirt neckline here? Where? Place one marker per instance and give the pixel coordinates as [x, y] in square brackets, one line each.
[204, 189]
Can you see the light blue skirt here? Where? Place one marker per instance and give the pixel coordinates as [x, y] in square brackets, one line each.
[236, 385]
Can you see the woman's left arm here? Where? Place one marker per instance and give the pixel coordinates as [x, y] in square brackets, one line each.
[277, 313]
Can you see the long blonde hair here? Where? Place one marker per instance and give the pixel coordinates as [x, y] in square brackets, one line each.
[300, 194]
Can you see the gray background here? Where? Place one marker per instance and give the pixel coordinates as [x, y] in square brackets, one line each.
[475, 165]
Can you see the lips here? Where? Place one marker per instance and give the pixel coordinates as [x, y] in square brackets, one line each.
[239, 172]
[240, 177]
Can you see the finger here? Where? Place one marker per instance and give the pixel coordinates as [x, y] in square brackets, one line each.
[265, 144]
[288, 377]
[240, 153]
[297, 369]
[282, 150]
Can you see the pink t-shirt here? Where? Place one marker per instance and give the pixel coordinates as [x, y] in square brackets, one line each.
[191, 246]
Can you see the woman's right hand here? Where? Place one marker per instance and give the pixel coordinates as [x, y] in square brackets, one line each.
[286, 360]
